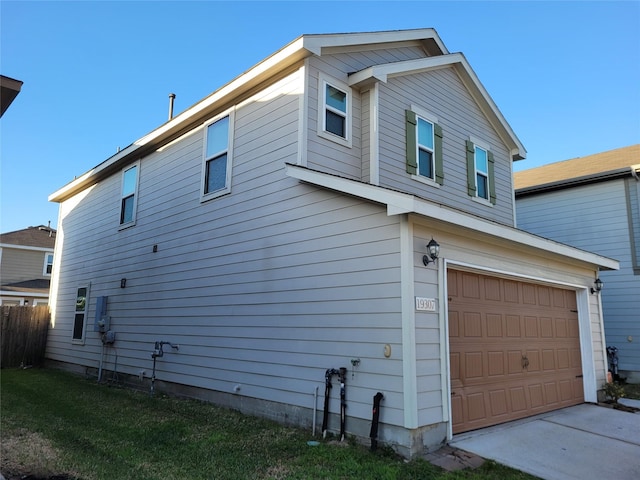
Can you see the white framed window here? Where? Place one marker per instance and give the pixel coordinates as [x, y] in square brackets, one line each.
[129, 195]
[480, 172]
[48, 264]
[334, 110]
[80, 314]
[424, 147]
[217, 157]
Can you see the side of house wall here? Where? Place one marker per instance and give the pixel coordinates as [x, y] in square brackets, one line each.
[263, 289]
[20, 264]
[595, 218]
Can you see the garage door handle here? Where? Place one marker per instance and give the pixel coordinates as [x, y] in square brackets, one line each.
[525, 362]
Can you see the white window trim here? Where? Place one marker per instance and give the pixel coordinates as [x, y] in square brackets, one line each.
[132, 222]
[44, 268]
[323, 81]
[428, 117]
[476, 197]
[80, 341]
[227, 189]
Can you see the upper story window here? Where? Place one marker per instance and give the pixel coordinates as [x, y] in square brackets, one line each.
[216, 167]
[334, 110]
[480, 172]
[129, 197]
[424, 146]
[48, 263]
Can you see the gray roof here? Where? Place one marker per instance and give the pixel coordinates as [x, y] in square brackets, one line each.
[40, 236]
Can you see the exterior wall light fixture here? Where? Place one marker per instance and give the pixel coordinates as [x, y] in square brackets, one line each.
[433, 249]
[597, 286]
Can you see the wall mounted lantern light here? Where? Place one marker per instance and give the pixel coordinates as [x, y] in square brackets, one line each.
[433, 249]
[597, 286]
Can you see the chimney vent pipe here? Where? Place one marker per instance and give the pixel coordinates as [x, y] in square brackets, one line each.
[172, 97]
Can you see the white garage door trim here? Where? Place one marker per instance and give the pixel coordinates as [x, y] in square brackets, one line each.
[584, 322]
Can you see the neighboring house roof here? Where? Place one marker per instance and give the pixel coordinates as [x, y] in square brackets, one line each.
[39, 285]
[9, 89]
[41, 237]
[620, 162]
[436, 56]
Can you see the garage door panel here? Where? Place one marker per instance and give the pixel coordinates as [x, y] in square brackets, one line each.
[476, 407]
[494, 325]
[515, 350]
[513, 326]
[536, 394]
[518, 399]
[498, 402]
[496, 363]
[472, 325]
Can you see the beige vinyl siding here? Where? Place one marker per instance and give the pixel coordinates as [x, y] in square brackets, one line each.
[442, 94]
[20, 264]
[266, 287]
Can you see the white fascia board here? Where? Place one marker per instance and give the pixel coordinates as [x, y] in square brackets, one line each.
[400, 203]
[408, 67]
[315, 43]
[26, 247]
[383, 72]
[19, 293]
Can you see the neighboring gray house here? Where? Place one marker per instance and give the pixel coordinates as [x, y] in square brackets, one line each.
[593, 202]
[278, 229]
[26, 262]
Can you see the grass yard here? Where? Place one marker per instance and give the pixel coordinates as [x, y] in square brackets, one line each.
[632, 390]
[56, 423]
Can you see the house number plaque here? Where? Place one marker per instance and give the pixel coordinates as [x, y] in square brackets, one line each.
[425, 304]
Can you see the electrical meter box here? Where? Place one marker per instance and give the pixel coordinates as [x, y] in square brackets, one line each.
[102, 320]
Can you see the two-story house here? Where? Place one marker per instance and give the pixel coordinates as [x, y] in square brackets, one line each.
[278, 230]
[26, 263]
[593, 202]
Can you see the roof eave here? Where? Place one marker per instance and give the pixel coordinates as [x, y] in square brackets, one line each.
[404, 203]
[192, 116]
[381, 73]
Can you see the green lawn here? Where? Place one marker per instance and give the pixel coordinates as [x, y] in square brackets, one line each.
[56, 423]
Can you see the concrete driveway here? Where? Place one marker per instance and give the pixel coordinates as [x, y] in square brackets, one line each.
[582, 442]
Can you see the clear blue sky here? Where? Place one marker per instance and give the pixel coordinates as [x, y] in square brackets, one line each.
[97, 75]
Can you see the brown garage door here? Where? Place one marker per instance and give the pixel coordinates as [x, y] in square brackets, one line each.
[514, 349]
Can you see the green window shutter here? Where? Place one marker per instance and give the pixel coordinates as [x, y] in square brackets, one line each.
[471, 169]
[437, 131]
[492, 178]
[412, 142]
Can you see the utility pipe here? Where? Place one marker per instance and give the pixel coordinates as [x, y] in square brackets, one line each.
[315, 405]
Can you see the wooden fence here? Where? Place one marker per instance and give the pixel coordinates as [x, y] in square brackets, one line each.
[23, 335]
